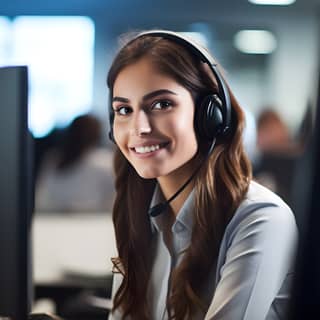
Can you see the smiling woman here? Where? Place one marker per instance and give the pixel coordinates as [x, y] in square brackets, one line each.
[196, 237]
[154, 127]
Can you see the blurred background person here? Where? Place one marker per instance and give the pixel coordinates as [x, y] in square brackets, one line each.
[273, 133]
[76, 176]
[277, 153]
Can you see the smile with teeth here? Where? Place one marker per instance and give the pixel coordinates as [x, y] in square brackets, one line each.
[147, 149]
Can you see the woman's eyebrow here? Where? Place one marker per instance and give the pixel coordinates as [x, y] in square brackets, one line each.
[146, 96]
[157, 93]
[120, 99]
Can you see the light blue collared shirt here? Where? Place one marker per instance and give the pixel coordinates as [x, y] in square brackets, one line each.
[252, 277]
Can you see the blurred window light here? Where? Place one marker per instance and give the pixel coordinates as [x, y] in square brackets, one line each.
[198, 37]
[5, 29]
[273, 2]
[255, 41]
[59, 52]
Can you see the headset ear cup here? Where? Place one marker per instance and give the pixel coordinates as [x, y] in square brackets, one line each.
[214, 124]
[209, 118]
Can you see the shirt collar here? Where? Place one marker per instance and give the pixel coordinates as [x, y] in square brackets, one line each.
[185, 215]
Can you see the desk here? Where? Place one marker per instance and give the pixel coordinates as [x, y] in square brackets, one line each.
[71, 252]
[64, 243]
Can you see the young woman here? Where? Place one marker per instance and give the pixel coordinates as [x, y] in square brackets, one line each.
[196, 237]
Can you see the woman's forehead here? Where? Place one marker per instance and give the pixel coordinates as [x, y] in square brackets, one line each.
[142, 75]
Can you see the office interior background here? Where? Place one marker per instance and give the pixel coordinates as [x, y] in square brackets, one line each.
[270, 55]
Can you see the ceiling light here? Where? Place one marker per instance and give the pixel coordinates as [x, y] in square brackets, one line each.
[255, 41]
[273, 2]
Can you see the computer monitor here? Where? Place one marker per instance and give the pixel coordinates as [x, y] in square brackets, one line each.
[15, 195]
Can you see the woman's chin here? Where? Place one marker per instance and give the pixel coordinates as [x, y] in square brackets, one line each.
[148, 174]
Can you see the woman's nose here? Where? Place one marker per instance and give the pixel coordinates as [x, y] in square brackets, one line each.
[141, 124]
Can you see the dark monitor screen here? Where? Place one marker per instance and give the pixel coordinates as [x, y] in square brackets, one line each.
[306, 289]
[15, 195]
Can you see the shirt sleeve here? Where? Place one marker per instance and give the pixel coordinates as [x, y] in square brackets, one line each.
[257, 261]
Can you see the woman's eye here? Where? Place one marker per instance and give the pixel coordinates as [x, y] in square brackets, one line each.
[122, 111]
[163, 104]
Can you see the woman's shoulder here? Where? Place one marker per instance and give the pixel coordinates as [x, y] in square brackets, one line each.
[259, 196]
[261, 209]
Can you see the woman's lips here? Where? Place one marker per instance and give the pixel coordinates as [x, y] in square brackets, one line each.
[150, 149]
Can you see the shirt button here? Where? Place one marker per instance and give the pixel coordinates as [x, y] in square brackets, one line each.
[179, 227]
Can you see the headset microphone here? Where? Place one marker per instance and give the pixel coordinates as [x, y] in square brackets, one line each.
[162, 206]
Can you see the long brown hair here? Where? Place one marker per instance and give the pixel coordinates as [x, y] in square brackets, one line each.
[220, 186]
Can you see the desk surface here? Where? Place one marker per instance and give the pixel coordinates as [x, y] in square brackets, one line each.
[66, 244]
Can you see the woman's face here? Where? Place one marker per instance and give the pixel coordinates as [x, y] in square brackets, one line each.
[153, 124]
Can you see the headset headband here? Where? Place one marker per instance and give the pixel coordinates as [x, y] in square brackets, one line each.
[205, 57]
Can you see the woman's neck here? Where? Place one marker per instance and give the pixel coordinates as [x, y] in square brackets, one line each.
[171, 183]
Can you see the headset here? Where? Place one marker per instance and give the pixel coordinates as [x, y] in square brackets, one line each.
[213, 114]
